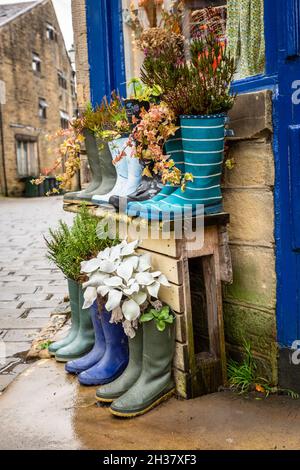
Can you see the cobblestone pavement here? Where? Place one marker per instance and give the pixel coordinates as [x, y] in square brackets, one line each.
[30, 286]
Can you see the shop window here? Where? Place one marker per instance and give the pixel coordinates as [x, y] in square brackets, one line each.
[43, 108]
[27, 156]
[240, 21]
[51, 33]
[62, 81]
[64, 120]
[36, 63]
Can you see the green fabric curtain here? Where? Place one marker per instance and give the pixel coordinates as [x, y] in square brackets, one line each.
[245, 34]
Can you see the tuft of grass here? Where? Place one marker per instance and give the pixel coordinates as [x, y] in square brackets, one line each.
[44, 345]
[243, 377]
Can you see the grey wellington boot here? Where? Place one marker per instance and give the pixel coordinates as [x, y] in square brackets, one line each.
[108, 393]
[85, 338]
[155, 383]
[102, 170]
[73, 288]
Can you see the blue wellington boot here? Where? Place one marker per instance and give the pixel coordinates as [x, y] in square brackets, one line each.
[173, 147]
[88, 361]
[115, 358]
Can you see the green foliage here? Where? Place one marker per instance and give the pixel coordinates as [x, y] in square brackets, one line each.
[69, 246]
[106, 120]
[44, 345]
[199, 86]
[243, 377]
[161, 317]
[141, 92]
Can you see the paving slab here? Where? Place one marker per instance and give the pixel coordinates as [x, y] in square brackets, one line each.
[23, 324]
[63, 415]
[21, 335]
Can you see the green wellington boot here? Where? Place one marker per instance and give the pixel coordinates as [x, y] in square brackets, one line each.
[73, 288]
[102, 169]
[155, 384]
[85, 338]
[110, 392]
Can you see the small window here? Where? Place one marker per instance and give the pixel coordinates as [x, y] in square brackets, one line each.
[36, 63]
[62, 81]
[73, 89]
[27, 157]
[43, 108]
[64, 120]
[50, 32]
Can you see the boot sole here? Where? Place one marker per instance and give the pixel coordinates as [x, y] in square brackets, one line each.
[145, 410]
[105, 400]
[58, 359]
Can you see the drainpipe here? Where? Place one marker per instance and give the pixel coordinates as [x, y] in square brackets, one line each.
[3, 152]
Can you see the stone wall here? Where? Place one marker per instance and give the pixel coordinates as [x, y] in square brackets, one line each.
[18, 40]
[250, 302]
[81, 52]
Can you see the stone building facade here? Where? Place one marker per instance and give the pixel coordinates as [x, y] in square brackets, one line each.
[39, 94]
[248, 189]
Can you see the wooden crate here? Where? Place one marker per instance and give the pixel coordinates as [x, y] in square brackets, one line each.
[196, 372]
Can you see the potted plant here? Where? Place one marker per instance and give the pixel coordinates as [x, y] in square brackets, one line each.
[200, 96]
[140, 97]
[124, 280]
[67, 247]
[94, 129]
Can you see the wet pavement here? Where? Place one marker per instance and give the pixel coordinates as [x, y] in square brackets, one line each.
[30, 286]
[46, 409]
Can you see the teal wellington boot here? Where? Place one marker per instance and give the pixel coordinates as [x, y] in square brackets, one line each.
[73, 287]
[85, 338]
[110, 392]
[155, 384]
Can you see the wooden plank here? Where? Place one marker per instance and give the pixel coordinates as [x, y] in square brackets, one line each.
[181, 334]
[173, 296]
[171, 267]
[168, 247]
[181, 357]
[225, 256]
[212, 307]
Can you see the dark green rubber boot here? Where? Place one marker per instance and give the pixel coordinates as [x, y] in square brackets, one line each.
[155, 383]
[85, 338]
[103, 171]
[110, 392]
[73, 287]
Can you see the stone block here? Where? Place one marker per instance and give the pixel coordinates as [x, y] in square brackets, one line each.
[254, 277]
[254, 165]
[251, 115]
[251, 216]
[20, 335]
[255, 326]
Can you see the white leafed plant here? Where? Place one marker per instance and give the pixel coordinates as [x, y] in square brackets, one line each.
[125, 280]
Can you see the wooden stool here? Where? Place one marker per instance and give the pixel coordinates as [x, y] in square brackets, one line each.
[195, 273]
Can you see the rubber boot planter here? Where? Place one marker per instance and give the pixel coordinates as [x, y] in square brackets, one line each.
[147, 189]
[173, 148]
[155, 384]
[85, 338]
[109, 393]
[94, 356]
[129, 172]
[102, 170]
[115, 358]
[203, 148]
[73, 288]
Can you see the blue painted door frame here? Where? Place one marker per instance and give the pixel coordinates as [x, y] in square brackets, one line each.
[282, 33]
[105, 48]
